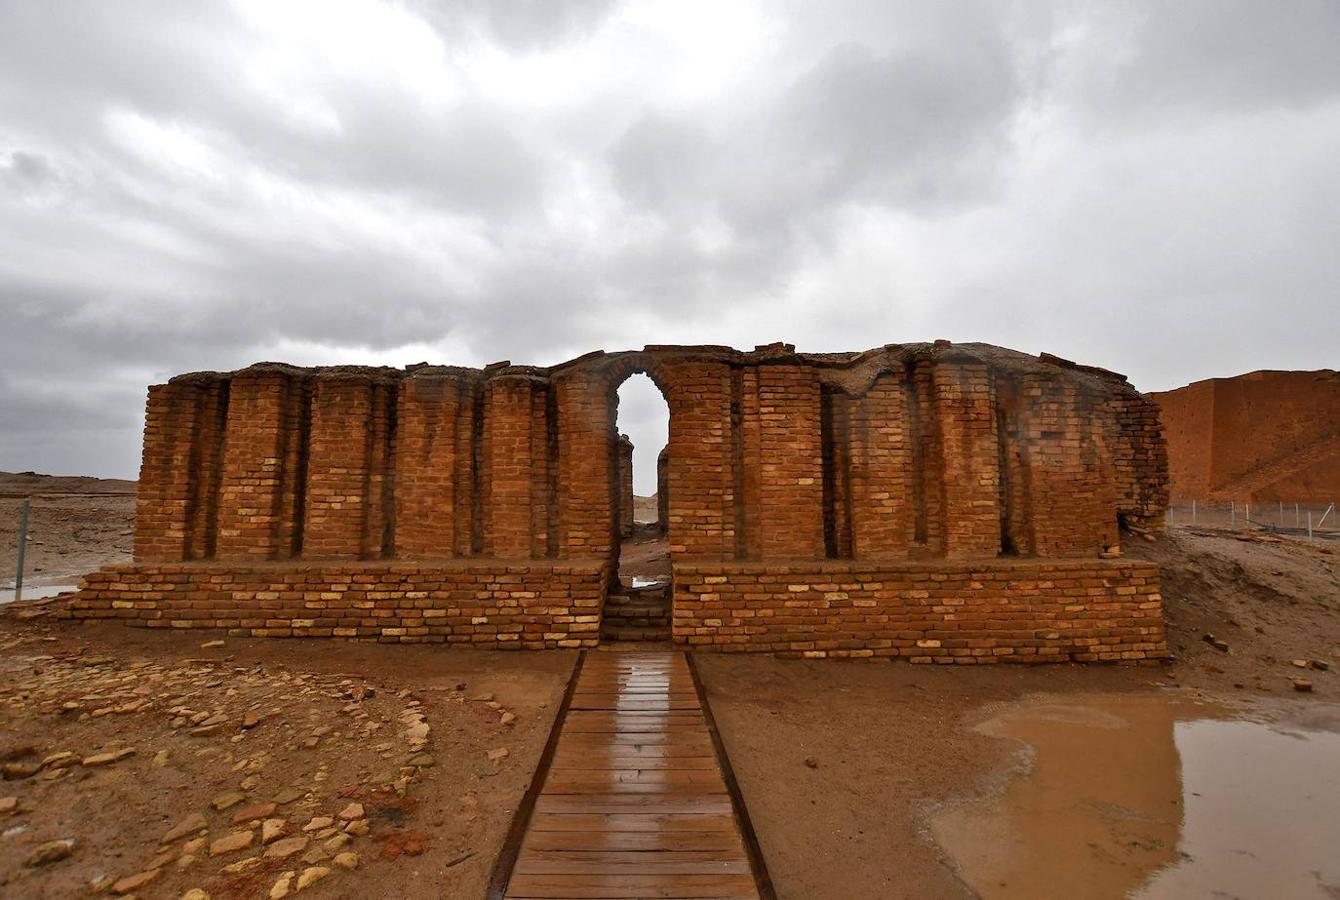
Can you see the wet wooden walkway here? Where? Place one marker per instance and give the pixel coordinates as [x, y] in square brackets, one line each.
[634, 804]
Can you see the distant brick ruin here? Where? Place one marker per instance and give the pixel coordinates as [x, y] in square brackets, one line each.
[938, 502]
[1263, 436]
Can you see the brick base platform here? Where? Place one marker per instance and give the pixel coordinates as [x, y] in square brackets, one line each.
[1020, 611]
[492, 604]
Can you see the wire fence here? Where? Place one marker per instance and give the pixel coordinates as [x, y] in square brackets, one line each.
[1304, 521]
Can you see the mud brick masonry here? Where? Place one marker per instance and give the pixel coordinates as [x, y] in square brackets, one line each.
[939, 502]
[1261, 437]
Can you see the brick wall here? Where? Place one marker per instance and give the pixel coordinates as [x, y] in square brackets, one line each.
[348, 499]
[943, 453]
[1021, 611]
[511, 450]
[923, 452]
[790, 494]
[260, 499]
[663, 487]
[881, 505]
[434, 463]
[625, 486]
[1263, 436]
[488, 605]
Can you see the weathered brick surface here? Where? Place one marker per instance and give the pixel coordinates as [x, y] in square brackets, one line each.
[790, 495]
[489, 604]
[937, 454]
[260, 499]
[434, 463]
[1259, 437]
[969, 458]
[1023, 611]
[626, 521]
[510, 454]
[881, 466]
[348, 500]
[177, 505]
[663, 487]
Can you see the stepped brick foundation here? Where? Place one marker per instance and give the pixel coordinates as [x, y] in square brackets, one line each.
[486, 506]
[491, 604]
[980, 612]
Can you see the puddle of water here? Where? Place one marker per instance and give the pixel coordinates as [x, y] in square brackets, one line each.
[1156, 796]
[1262, 813]
[36, 591]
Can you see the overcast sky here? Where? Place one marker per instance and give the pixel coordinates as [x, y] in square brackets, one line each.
[1151, 187]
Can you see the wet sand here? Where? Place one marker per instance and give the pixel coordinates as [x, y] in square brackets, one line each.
[1156, 795]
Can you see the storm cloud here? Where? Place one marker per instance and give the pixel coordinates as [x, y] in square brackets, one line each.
[1150, 187]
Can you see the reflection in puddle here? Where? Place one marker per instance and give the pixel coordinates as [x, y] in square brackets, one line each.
[1156, 796]
[1262, 813]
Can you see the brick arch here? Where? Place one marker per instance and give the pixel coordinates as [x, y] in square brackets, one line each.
[702, 469]
[610, 372]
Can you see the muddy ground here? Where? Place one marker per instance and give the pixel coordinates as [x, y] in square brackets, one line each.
[843, 764]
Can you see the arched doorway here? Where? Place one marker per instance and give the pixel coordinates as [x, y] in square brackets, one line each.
[637, 606]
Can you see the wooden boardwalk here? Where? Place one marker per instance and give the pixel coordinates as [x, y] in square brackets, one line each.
[634, 804]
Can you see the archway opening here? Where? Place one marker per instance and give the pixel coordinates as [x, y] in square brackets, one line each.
[637, 606]
[643, 425]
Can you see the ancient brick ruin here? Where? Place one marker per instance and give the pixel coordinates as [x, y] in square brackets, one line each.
[1259, 437]
[939, 502]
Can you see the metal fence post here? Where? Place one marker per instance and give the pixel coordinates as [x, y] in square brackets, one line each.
[1309, 524]
[1232, 514]
[23, 544]
[1297, 517]
[1193, 512]
[1281, 513]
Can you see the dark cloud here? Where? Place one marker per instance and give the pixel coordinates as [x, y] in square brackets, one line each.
[1149, 187]
[1195, 57]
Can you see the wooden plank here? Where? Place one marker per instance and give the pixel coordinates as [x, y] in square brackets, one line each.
[655, 822]
[652, 863]
[633, 840]
[697, 804]
[687, 777]
[648, 739]
[632, 887]
[597, 761]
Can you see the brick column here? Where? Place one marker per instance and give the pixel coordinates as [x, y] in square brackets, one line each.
[663, 489]
[791, 513]
[701, 517]
[969, 458]
[434, 478]
[165, 521]
[880, 468]
[585, 515]
[1068, 480]
[261, 466]
[507, 462]
[347, 503]
[625, 486]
